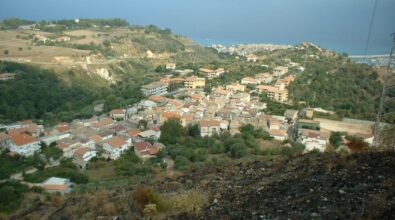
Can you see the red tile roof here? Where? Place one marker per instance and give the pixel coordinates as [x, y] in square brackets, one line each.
[116, 142]
[143, 145]
[171, 115]
[22, 139]
[134, 132]
[96, 138]
[80, 152]
[117, 111]
[209, 123]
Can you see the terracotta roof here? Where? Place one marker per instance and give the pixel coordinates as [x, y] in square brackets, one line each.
[116, 142]
[56, 187]
[196, 97]
[221, 91]
[157, 128]
[251, 56]
[171, 115]
[263, 75]
[277, 132]
[153, 150]
[188, 117]
[22, 139]
[166, 80]
[3, 136]
[80, 152]
[96, 138]
[104, 122]
[175, 103]
[157, 98]
[205, 70]
[63, 127]
[193, 78]
[143, 145]
[134, 132]
[313, 135]
[118, 128]
[177, 79]
[117, 111]
[65, 143]
[209, 123]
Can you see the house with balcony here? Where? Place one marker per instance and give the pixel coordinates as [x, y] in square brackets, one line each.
[154, 88]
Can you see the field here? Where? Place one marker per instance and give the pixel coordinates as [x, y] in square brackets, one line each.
[351, 128]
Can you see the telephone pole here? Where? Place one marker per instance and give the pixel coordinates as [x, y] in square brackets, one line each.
[387, 84]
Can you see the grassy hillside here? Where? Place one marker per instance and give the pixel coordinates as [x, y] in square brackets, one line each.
[349, 89]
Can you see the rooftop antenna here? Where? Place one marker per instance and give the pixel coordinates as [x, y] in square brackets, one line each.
[386, 84]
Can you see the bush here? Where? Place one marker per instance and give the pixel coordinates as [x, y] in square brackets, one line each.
[144, 196]
[180, 162]
[11, 196]
[238, 150]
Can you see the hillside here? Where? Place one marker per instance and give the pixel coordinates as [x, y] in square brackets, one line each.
[349, 89]
[314, 185]
[91, 46]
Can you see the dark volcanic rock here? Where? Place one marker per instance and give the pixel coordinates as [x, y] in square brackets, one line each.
[320, 186]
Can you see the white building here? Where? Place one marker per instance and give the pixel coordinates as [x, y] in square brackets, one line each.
[114, 147]
[154, 88]
[22, 144]
[280, 70]
[57, 185]
[170, 66]
[82, 156]
[209, 127]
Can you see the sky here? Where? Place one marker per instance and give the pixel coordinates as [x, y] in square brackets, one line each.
[337, 24]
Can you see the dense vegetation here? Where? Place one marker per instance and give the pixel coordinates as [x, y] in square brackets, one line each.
[66, 170]
[11, 195]
[14, 164]
[37, 93]
[65, 24]
[349, 89]
[186, 146]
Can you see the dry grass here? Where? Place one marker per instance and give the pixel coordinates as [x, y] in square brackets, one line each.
[102, 170]
[187, 201]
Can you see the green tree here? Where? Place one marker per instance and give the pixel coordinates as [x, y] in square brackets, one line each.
[335, 139]
[171, 131]
[180, 162]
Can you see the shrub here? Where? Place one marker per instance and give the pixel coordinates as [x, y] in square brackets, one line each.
[144, 196]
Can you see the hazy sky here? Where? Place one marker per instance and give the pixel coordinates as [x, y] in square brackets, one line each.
[340, 24]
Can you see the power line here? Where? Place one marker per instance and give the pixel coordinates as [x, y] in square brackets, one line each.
[370, 27]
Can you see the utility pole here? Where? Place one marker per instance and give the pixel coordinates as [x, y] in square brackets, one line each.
[378, 132]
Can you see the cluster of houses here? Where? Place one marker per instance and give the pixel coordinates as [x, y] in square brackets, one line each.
[45, 39]
[82, 140]
[225, 108]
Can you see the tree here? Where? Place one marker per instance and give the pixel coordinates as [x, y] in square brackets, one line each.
[193, 130]
[180, 162]
[335, 139]
[106, 43]
[238, 150]
[6, 52]
[171, 131]
[143, 124]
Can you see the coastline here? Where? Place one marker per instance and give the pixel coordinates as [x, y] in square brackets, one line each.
[353, 50]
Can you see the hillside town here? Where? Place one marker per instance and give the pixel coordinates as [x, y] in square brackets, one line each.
[225, 108]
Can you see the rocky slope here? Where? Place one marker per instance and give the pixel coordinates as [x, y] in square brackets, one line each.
[318, 186]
